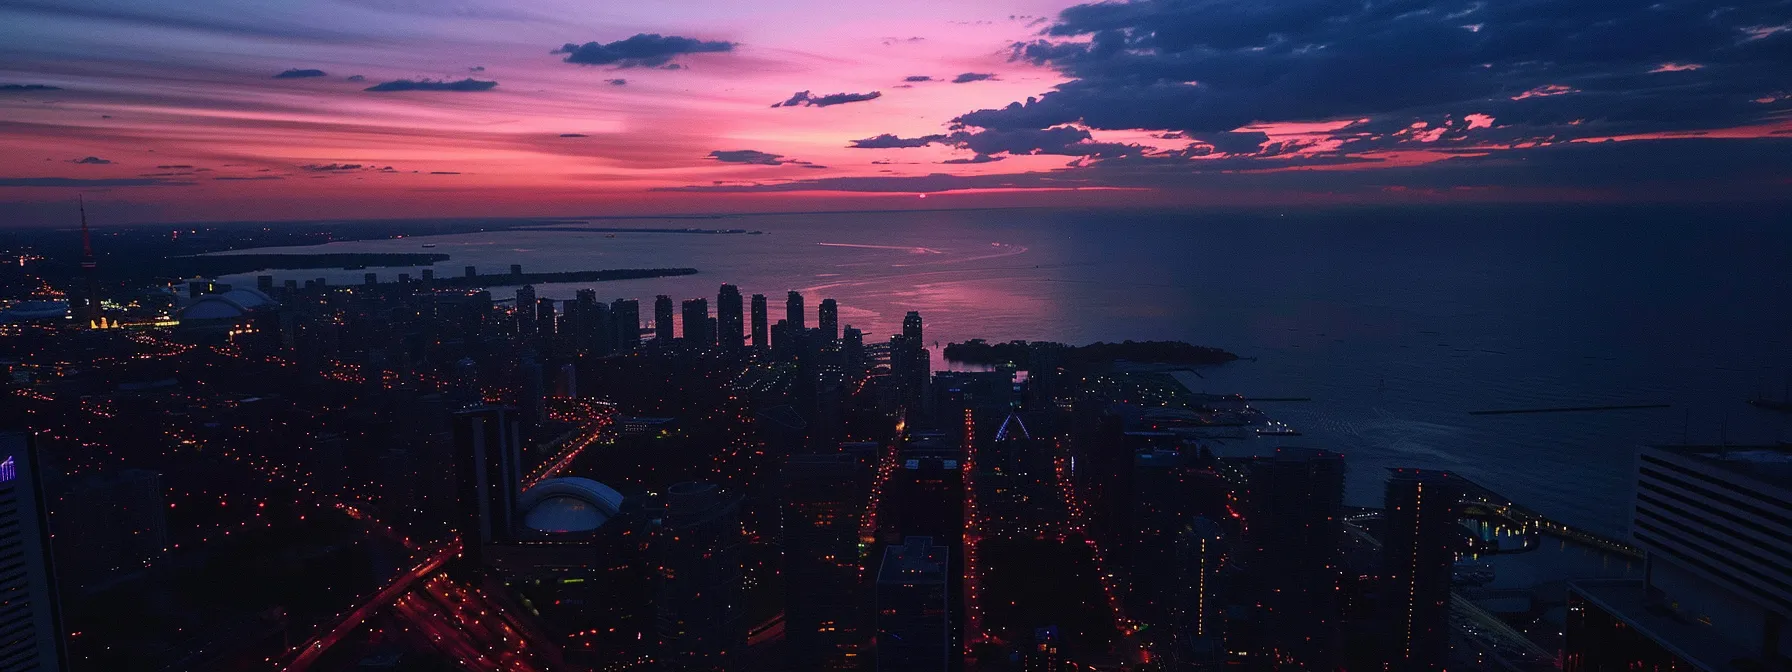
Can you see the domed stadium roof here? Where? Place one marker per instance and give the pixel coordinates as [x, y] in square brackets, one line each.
[568, 505]
[226, 306]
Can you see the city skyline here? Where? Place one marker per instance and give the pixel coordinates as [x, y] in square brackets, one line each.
[331, 109]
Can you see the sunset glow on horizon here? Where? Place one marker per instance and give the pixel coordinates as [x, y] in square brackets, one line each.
[210, 110]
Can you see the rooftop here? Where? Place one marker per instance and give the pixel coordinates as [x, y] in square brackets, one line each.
[1767, 463]
[1695, 642]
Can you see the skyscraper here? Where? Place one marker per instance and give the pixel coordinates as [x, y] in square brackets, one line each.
[544, 319]
[30, 618]
[1716, 593]
[761, 335]
[852, 349]
[913, 632]
[627, 315]
[824, 499]
[697, 333]
[489, 474]
[1295, 531]
[828, 318]
[793, 311]
[910, 364]
[730, 329]
[911, 327]
[1418, 554]
[1197, 614]
[700, 601]
[662, 320]
[525, 310]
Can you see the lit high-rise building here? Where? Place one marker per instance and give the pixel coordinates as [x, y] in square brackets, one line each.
[1295, 528]
[626, 313]
[730, 327]
[827, 316]
[698, 333]
[1716, 524]
[544, 319]
[30, 618]
[1418, 554]
[761, 334]
[662, 320]
[913, 607]
[525, 310]
[793, 311]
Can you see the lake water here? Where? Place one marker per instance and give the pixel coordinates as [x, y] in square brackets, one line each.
[1395, 322]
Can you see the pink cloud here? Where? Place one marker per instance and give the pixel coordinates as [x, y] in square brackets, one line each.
[1545, 91]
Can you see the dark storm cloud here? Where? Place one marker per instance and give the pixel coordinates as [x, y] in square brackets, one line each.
[1212, 66]
[468, 84]
[1062, 140]
[918, 78]
[748, 156]
[980, 158]
[650, 50]
[967, 77]
[802, 98]
[891, 141]
[296, 73]
[28, 87]
[81, 183]
[90, 160]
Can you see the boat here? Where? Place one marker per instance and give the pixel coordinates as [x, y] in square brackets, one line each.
[427, 245]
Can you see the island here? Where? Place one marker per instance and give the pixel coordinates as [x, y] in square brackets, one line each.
[515, 279]
[234, 264]
[1020, 353]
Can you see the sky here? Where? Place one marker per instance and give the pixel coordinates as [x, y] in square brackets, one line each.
[201, 110]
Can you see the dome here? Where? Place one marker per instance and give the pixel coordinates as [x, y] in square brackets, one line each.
[568, 505]
[226, 306]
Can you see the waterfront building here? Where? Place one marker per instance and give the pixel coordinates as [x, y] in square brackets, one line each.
[662, 320]
[1294, 528]
[827, 316]
[698, 329]
[1418, 555]
[626, 313]
[793, 311]
[730, 334]
[1716, 525]
[761, 330]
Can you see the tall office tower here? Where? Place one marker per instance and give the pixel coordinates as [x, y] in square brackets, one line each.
[1418, 554]
[793, 311]
[544, 319]
[1198, 617]
[110, 525]
[700, 601]
[1170, 489]
[627, 315]
[489, 477]
[730, 328]
[525, 310]
[925, 497]
[910, 364]
[827, 316]
[697, 333]
[913, 611]
[30, 618]
[662, 320]
[852, 349]
[824, 501]
[1295, 531]
[1716, 523]
[761, 335]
